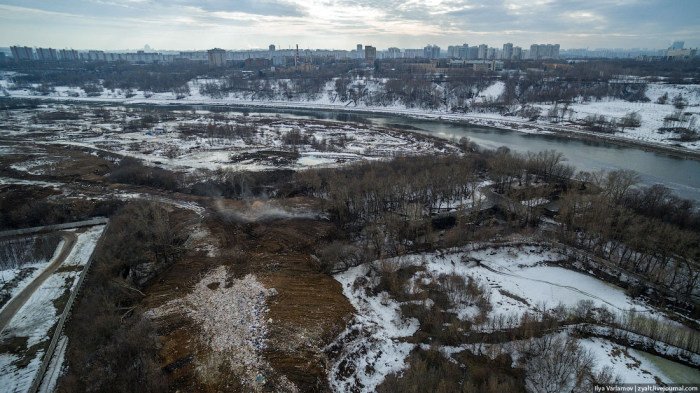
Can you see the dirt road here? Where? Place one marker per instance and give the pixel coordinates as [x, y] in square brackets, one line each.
[18, 301]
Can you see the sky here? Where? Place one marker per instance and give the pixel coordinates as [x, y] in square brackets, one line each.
[341, 24]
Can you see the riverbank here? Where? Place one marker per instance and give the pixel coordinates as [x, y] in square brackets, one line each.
[475, 120]
[489, 120]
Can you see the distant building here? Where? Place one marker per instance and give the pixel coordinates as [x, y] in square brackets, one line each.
[507, 53]
[491, 53]
[257, 63]
[279, 60]
[21, 53]
[46, 54]
[680, 54]
[96, 55]
[431, 52]
[360, 52]
[370, 54]
[3, 58]
[393, 53]
[457, 51]
[478, 65]
[677, 45]
[452, 52]
[201, 56]
[217, 57]
[413, 53]
[517, 53]
[271, 48]
[472, 53]
[463, 51]
[544, 51]
[483, 51]
[68, 55]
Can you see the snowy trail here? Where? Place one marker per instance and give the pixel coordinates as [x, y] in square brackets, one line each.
[16, 303]
[574, 289]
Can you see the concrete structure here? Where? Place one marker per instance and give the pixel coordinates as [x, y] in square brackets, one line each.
[507, 53]
[413, 53]
[677, 45]
[680, 54]
[22, 53]
[96, 55]
[483, 51]
[393, 53]
[463, 51]
[360, 53]
[478, 65]
[544, 51]
[194, 56]
[46, 54]
[216, 57]
[431, 52]
[370, 54]
[452, 52]
[491, 53]
[271, 48]
[69, 55]
[517, 53]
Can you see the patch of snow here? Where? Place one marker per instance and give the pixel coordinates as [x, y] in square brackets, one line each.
[232, 316]
[55, 369]
[370, 346]
[38, 315]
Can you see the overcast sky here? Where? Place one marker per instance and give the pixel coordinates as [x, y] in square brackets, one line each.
[340, 24]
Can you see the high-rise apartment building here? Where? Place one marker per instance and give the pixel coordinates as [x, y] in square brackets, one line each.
[46, 54]
[463, 51]
[370, 53]
[483, 51]
[544, 51]
[394, 53]
[677, 45]
[22, 53]
[507, 51]
[517, 53]
[452, 52]
[217, 57]
[431, 52]
[491, 53]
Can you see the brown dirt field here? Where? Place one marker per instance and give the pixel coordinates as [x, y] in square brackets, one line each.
[72, 164]
[307, 313]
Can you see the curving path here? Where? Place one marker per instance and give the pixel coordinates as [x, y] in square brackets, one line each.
[574, 289]
[69, 239]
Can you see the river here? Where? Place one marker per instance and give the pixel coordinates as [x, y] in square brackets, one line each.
[682, 175]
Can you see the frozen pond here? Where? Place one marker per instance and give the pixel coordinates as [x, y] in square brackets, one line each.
[676, 372]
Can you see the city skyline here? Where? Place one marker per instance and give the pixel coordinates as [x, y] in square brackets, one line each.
[341, 24]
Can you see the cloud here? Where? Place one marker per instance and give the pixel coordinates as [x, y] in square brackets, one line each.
[253, 7]
[342, 23]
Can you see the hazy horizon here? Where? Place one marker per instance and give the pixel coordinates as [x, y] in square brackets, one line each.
[341, 24]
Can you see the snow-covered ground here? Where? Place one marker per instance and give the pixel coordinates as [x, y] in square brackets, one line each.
[521, 279]
[652, 114]
[370, 346]
[27, 335]
[26, 273]
[517, 279]
[7, 180]
[634, 366]
[255, 142]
